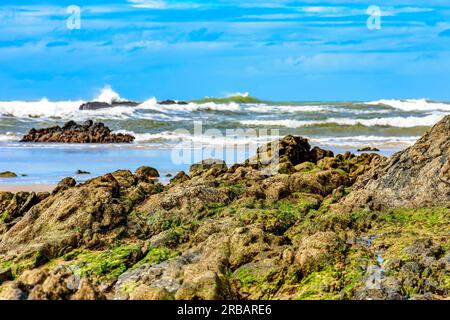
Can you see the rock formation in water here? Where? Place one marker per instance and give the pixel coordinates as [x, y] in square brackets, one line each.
[238, 232]
[8, 174]
[169, 102]
[71, 132]
[96, 105]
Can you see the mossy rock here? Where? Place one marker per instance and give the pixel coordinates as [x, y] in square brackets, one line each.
[107, 264]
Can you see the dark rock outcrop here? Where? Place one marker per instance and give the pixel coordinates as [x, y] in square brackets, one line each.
[368, 149]
[71, 132]
[8, 174]
[80, 172]
[169, 102]
[416, 177]
[96, 105]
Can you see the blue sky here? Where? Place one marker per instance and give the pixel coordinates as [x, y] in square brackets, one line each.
[280, 50]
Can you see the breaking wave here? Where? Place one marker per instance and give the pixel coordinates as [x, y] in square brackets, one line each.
[402, 122]
[412, 105]
[108, 95]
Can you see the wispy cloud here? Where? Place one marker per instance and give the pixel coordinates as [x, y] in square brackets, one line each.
[161, 5]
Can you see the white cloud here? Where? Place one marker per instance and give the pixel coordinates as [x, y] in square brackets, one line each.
[149, 4]
[160, 4]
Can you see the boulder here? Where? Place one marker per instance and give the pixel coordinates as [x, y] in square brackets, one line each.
[317, 251]
[416, 177]
[146, 174]
[206, 165]
[88, 215]
[283, 155]
[180, 177]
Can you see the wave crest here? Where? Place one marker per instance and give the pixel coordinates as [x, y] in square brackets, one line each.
[412, 104]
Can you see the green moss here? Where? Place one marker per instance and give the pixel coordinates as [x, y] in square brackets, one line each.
[24, 262]
[258, 281]
[170, 223]
[429, 216]
[317, 285]
[107, 264]
[236, 189]
[277, 217]
[246, 278]
[6, 272]
[4, 216]
[157, 255]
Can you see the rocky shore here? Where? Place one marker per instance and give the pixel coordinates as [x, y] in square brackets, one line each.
[314, 226]
[71, 132]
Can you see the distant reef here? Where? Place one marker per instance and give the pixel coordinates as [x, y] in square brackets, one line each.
[71, 132]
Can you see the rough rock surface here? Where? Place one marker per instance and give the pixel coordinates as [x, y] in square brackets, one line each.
[72, 132]
[416, 177]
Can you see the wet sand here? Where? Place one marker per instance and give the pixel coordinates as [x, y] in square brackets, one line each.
[27, 188]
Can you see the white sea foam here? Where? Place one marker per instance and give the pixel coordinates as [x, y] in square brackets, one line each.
[190, 107]
[238, 94]
[42, 108]
[402, 122]
[413, 105]
[363, 141]
[171, 137]
[9, 136]
[259, 108]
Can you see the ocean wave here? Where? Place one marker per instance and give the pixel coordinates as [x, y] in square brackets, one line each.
[36, 109]
[108, 95]
[402, 122]
[152, 104]
[45, 109]
[364, 141]
[9, 136]
[412, 105]
[171, 138]
[319, 108]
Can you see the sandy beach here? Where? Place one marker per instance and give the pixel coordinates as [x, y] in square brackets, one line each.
[27, 188]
